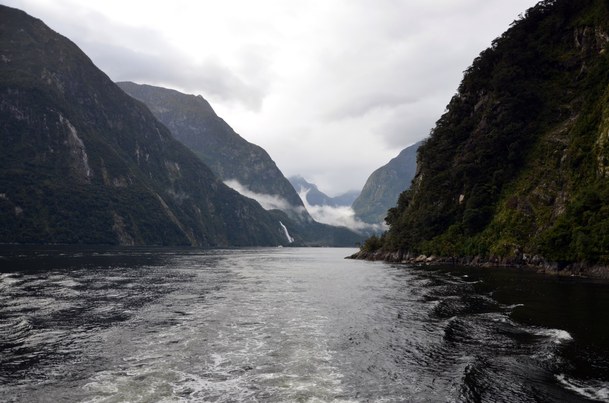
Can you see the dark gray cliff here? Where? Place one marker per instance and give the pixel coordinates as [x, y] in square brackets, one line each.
[82, 162]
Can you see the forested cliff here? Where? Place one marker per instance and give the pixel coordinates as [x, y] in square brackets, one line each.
[517, 168]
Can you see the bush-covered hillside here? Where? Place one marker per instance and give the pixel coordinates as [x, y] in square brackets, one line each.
[518, 165]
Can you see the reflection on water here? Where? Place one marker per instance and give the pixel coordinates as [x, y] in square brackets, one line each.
[141, 324]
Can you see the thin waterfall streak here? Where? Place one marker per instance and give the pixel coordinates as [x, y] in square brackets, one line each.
[287, 234]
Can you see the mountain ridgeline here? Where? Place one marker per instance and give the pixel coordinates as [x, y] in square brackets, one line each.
[383, 186]
[517, 169]
[194, 123]
[82, 162]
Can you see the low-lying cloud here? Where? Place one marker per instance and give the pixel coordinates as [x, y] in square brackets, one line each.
[267, 201]
[341, 216]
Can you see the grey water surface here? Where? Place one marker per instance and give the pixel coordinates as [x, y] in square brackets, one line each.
[291, 324]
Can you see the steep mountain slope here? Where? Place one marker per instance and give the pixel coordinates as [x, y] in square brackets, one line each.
[82, 162]
[517, 168]
[245, 166]
[316, 197]
[194, 123]
[384, 186]
[347, 198]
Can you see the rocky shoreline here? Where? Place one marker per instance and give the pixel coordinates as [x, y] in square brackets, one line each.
[535, 262]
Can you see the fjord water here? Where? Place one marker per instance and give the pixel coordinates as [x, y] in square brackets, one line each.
[290, 324]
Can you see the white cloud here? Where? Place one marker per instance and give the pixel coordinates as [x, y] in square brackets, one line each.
[271, 202]
[268, 202]
[342, 216]
[337, 216]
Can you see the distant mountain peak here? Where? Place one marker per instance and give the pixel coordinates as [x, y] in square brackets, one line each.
[316, 197]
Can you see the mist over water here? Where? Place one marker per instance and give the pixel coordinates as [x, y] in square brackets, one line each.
[291, 324]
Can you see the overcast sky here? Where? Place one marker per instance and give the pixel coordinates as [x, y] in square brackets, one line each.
[332, 89]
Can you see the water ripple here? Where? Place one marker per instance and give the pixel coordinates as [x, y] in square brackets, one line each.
[276, 325]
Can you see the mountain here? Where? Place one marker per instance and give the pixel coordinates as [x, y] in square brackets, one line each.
[82, 162]
[384, 186]
[517, 168]
[316, 197]
[194, 123]
[246, 167]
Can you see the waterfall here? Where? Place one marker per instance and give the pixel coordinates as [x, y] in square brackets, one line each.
[287, 234]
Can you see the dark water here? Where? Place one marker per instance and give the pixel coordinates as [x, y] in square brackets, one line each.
[147, 325]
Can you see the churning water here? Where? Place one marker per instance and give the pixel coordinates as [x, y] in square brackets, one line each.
[147, 325]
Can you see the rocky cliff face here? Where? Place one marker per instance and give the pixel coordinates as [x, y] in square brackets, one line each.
[515, 170]
[82, 162]
[384, 185]
[194, 123]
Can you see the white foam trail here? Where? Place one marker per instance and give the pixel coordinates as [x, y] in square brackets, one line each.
[598, 391]
[557, 335]
[287, 234]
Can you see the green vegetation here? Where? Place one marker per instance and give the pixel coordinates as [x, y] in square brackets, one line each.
[518, 164]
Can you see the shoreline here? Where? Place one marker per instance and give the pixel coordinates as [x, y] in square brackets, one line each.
[536, 263]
